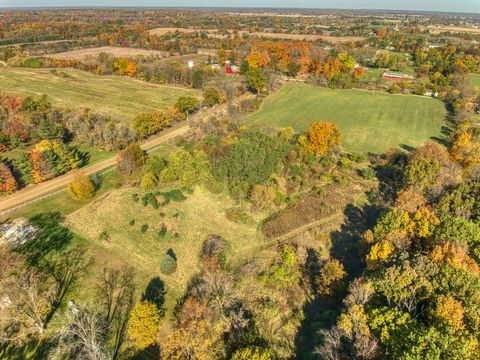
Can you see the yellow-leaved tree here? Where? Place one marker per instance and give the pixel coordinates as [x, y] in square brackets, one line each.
[81, 187]
[143, 325]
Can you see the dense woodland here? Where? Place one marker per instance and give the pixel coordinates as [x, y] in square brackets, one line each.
[365, 255]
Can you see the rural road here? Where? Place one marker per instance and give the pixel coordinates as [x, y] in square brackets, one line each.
[36, 191]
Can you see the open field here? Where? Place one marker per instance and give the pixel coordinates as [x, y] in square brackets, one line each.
[120, 97]
[440, 29]
[200, 215]
[474, 80]
[80, 54]
[212, 33]
[370, 121]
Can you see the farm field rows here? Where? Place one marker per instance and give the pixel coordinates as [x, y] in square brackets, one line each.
[120, 97]
[80, 54]
[272, 35]
[370, 121]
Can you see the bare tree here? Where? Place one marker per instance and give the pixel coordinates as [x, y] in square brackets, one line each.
[25, 307]
[83, 337]
[116, 291]
[330, 349]
[66, 270]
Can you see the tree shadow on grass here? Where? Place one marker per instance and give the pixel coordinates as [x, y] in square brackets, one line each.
[155, 293]
[322, 312]
[51, 236]
[150, 353]
[33, 350]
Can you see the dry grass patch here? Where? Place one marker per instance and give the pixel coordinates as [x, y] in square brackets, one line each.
[200, 215]
[440, 29]
[313, 210]
[80, 54]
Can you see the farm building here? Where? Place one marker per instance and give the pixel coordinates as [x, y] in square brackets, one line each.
[231, 69]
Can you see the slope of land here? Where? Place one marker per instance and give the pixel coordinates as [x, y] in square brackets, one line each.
[120, 97]
[188, 223]
[36, 191]
[370, 121]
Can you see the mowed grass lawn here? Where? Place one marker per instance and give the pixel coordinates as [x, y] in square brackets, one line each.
[120, 97]
[370, 121]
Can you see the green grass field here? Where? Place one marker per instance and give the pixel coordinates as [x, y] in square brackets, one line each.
[475, 81]
[118, 96]
[370, 121]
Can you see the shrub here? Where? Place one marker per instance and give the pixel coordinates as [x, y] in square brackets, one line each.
[187, 168]
[262, 196]
[81, 187]
[168, 265]
[163, 231]
[131, 222]
[149, 181]
[211, 97]
[104, 236]
[213, 246]
[131, 159]
[368, 173]
[144, 228]
[187, 104]
[236, 215]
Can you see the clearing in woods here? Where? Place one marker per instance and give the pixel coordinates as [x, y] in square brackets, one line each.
[120, 97]
[370, 121]
[120, 219]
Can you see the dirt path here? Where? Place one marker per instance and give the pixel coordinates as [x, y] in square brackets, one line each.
[36, 191]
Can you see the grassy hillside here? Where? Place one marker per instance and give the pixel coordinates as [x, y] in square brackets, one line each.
[118, 96]
[192, 220]
[370, 121]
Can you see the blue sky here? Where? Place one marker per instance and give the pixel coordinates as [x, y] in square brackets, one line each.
[438, 5]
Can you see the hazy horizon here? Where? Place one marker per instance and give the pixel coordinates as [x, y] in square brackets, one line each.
[468, 6]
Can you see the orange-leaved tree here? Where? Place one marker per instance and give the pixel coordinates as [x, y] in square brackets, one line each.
[321, 137]
[8, 183]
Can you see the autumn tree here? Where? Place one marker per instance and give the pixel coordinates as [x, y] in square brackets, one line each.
[321, 138]
[81, 187]
[256, 80]
[131, 159]
[144, 325]
[8, 184]
[252, 353]
[187, 104]
[330, 278]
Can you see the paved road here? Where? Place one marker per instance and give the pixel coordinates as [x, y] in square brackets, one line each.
[36, 191]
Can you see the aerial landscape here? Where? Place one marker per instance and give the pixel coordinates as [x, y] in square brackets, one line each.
[245, 182]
